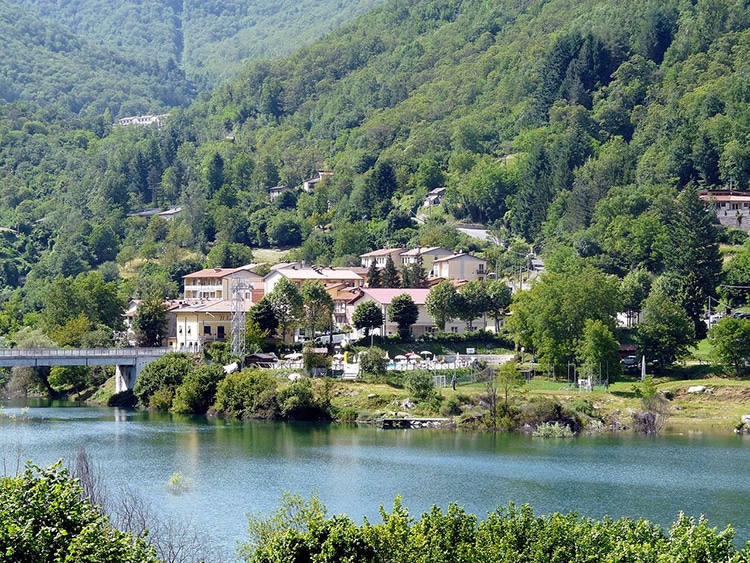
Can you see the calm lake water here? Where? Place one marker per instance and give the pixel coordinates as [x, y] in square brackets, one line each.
[240, 467]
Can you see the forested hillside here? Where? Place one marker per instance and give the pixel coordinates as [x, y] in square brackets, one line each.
[569, 125]
[208, 40]
[42, 61]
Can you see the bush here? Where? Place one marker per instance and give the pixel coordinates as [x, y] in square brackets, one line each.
[300, 531]
[165, 373]
[46, 517]
[161, 400]
[198, 390]
[450, 407]
[297, 402]
[247, 394]
[373, 361]
[552, 430]
[421, 385]
[347, 414]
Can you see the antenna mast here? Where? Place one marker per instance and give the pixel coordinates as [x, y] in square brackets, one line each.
[239, 321]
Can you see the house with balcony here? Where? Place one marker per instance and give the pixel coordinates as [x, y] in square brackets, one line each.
[215, 284]
[200, 323]
[460, 267]
[309, 184]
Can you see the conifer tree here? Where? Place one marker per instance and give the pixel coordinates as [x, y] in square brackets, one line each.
[389, 276]
[373, 276]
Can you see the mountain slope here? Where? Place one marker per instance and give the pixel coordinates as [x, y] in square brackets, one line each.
[209, 39]
[42, 62]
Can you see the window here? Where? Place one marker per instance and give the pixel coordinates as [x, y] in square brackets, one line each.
[206, 330]
[220, 331]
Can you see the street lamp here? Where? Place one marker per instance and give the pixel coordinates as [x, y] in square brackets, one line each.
[522, 351]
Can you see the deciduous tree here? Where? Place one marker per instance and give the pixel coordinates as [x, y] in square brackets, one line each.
[367, 316]
[441, 303]
[404, 312]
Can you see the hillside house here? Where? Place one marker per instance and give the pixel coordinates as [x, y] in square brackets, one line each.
[276, 191]
[434, 197]
[732, 207]
[383, 297]
[425, 255]
[215, 284]
[327, 275]
[380, 257]
[309, 184]
[460, 267]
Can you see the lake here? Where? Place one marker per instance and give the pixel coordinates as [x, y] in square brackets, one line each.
[238, 467]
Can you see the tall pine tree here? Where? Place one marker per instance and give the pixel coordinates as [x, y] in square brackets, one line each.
[373, 275]
[693, 263]
[389, 276]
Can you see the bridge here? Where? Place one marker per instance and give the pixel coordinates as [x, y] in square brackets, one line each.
[128, 362]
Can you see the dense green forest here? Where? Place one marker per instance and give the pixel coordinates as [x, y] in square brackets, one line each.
[145, 57]
[569, 126]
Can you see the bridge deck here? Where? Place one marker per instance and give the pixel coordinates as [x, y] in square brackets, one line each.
[37, 357]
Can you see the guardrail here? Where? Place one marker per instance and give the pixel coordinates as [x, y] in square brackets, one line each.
[82, 352]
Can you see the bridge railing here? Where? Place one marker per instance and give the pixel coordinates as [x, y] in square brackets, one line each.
[80, 352]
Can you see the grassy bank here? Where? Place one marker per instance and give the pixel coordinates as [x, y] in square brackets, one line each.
[718, 410]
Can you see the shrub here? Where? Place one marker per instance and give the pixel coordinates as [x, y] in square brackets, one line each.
[198, 390]
[297, 402]
[247, 394]
[161, 400]
[420, 384]
[166, 372]
[46, 517]
[552, 430]
[347, 414]
[450, 407]
[373, 361]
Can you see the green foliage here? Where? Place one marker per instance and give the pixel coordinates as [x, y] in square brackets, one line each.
[730, 339]
[298, 402]
[163, 376]
[300, 531]
[197, 391]
[317, 306]
[367, 316]
[150, 321]
[404, 312]
[420, 385]
[551, 317]
[46, 517]
[247, 394]
[373, 361]
[666, 332]
[442, 303]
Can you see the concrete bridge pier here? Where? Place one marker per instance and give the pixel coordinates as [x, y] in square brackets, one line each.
[127, 374]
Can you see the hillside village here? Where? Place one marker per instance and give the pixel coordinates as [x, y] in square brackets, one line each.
[212, 297]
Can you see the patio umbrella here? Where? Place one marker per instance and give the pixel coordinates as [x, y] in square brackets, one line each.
[426, 353]
[294, 356]
[399, 357]
[338, 356]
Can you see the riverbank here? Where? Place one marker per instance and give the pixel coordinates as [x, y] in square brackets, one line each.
[718, 409]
